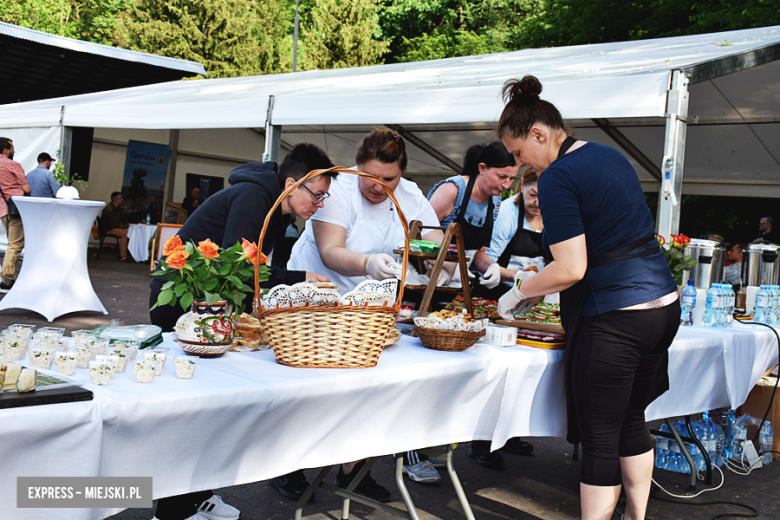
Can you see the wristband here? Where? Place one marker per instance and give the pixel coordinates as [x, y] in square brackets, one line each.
[516, 290]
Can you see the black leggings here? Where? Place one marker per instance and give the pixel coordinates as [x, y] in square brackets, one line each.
[614, 367]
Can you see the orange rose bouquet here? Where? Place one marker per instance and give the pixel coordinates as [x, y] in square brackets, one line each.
[208, 273]
[677, 260]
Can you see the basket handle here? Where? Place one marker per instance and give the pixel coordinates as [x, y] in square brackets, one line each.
[315, 173]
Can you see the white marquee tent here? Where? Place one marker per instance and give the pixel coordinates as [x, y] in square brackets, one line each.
[712, 100]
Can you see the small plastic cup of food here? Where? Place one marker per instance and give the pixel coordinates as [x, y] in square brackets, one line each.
[51, 331]
[157, 354]
[108, 360]
[14, 352]
[66, 361]
[40, 358]
[143, 370]
[85, 355]
[130, 350]
[19, 332]
[119, 357]
[185, 366]
[83, 336]
[99, 372]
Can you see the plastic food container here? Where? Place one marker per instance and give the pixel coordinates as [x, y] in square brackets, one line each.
[40, 358]
[158, 355]
[109, 361]
[51, 331]
[144, 370]
[120, 358]
[66, 362]
[423, 246]
[99, 372]
[85, 355]
[185, 366]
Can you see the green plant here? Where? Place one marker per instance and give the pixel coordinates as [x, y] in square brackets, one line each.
[208, 273]
[58, 171]
[677, 260]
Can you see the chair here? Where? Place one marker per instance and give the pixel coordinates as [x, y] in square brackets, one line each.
[103, 236]
[161, 236]
[177, 207]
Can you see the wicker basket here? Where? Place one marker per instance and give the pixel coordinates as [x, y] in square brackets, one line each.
[330, 336]
[449, 340]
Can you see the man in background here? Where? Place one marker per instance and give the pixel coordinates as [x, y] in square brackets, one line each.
[766, 233]
[732, 273]
[41, 179]
[12, 182]
[114, 222]
[191, 201]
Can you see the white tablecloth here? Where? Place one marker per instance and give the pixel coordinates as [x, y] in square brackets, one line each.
[54, 279]
[138, 237]
[244, 418]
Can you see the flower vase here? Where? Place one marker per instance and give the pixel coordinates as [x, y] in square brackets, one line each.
[206, 330]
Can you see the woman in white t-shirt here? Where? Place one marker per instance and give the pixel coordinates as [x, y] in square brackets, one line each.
[355, 233]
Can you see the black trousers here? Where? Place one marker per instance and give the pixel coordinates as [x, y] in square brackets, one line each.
[614, 369]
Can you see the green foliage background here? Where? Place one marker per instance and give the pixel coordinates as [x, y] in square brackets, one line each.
[249, 37]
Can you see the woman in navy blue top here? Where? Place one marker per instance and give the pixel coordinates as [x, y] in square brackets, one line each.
[619, 303]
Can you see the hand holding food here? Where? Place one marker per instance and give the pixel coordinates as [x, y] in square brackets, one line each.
[492, 276]
[509, 302]
[379, 266]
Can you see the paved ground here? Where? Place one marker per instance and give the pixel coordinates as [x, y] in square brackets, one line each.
[543, 486]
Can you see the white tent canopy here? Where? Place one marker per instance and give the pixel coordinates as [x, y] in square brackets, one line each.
[616, 93]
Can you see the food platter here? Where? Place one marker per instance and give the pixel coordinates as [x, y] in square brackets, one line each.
[525, 324]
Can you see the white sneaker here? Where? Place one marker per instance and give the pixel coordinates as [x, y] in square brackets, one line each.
[423, 472]
[196, 516]
[215, 509]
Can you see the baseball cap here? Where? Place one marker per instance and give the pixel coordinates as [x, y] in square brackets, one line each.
[43, 157]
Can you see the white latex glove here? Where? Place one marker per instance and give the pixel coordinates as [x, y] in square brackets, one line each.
[492, 276]
[444, 278]
[513, 298]
[377, 266]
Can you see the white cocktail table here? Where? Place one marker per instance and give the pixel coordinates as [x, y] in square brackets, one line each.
[54, 279]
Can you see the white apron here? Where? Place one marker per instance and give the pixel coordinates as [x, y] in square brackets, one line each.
[366, 236]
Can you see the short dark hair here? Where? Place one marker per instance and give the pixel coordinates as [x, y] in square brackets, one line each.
[385, 146]
[302, 159]
[5, 144]
[115, 194]
[769, 220]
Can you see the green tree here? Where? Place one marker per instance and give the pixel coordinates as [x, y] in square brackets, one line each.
[51, 16]
[97, 20]
[341, 33]
[220, 34]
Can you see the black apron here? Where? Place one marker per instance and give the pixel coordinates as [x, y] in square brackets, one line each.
[572, 302]
[474, 237]
[524, 243]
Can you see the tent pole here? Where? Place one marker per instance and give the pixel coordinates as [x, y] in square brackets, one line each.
[173, 141]
[66, 142]
[670, 193]
[273, 136]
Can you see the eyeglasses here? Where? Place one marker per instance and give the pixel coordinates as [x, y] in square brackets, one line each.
[317, 198]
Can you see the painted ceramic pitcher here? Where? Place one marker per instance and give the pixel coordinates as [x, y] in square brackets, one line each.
[206, 330]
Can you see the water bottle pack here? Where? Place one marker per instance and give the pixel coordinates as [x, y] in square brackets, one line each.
[720, 435]
[765, 299]
[765, 438]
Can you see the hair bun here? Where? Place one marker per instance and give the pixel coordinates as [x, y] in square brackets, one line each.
[521, 90]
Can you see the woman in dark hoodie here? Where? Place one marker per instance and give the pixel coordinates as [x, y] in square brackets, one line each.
[239, 212]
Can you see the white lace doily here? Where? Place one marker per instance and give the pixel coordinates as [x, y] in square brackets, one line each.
[372, 292]
[299, 295]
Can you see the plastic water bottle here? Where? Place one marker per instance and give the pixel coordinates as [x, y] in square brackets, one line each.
[740, 436]
[765, 443]
[688, 304]
[710, 318]
[763, 305]
[731, 303]
[775, 315]
[662, 450]
[148, 219]
[724, 419]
